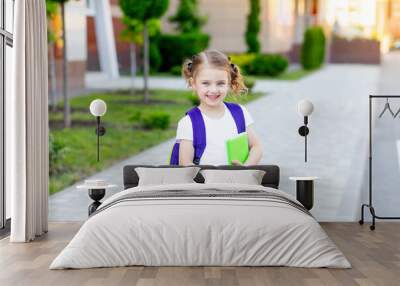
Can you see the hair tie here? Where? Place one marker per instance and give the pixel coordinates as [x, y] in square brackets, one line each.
[190, 66]
[234, 68]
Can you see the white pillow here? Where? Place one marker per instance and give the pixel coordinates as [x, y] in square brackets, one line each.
[248, 177]
[166, 176]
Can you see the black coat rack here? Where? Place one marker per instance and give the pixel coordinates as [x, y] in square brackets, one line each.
[370, 204]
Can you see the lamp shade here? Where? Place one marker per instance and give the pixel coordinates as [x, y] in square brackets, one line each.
[98, 107]
[305, 107]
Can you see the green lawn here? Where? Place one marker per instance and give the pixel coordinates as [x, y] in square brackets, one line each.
[287, 75]
[124, 136]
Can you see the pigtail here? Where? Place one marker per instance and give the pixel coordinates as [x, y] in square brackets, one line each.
[187, 70]
[237, 80]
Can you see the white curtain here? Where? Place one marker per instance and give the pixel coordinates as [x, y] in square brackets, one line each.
[27, 124]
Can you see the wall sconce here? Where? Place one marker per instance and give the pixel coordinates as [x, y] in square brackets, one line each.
[98, 108]
[305, 108]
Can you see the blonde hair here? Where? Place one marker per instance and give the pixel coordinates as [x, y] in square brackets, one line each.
[215, 59]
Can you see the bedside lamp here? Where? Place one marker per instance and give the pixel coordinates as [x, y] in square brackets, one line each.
[305, 108]
[98, 108]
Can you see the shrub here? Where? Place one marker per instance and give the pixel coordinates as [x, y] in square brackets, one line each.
[242, 60]
[313, 48]
[57, 152]
[269, 65]
[176, 70]
[187, 17]
[159, 119]
[136, 116]
[253, 27]
[154, 57]
[249, 82]
[143, 10]
[175, 48]
[194, 99]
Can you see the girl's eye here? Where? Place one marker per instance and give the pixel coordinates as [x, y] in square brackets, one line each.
[221, 84]
[205, 83]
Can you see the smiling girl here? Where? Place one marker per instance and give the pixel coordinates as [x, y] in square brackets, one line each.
[211, 75]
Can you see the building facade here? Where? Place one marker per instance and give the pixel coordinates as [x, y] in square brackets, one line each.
[94, 30]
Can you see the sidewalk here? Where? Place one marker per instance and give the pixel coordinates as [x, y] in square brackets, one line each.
[337, 141]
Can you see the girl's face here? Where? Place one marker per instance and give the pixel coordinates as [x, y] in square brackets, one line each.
[211, 85]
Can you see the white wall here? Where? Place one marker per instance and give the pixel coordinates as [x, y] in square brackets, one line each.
[75, 17]
[277, 25]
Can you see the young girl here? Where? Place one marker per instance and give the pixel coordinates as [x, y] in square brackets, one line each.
[211, 74]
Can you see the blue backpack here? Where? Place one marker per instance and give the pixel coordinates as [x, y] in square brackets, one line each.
[199, 131]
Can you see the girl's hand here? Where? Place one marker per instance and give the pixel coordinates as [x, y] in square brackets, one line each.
[236, 163]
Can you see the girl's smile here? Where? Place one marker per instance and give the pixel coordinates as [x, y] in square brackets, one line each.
[213, 96]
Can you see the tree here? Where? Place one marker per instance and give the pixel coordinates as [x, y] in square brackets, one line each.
[313, 49]
[144, 11]
[187, 18]
[253, 27]
[51, 12]
[189, 41]
[67, 109]
[133, 33]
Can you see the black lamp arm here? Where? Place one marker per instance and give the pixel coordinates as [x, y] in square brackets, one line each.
[100, 131]
[303, 131]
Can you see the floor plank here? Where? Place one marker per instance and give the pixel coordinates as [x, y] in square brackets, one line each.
[374, 255]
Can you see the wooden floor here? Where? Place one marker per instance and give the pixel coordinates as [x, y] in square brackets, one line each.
[374, 255]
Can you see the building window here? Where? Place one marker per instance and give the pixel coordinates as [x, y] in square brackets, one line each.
[6, 44]
[90, 11]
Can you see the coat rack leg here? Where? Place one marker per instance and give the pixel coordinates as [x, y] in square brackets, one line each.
[371, 208]
[361, 221]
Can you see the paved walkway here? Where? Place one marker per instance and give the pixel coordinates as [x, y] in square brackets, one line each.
[337, 141]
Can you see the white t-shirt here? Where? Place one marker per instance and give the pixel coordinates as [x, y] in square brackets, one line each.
[217, 132]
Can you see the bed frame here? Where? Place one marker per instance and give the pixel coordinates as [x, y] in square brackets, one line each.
[270, 179]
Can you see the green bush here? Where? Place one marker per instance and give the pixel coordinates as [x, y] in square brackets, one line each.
[154, 57]
[176, 48]
[268, 65]
[143, 10]
[253, 27]
[57, 152]
[194, 99]
[156, 120]
[242, 60]
[313, 48]
[249, 82]
[176, 70]
[136, 116]
[187, 17]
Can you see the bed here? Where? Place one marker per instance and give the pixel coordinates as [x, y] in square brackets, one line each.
[201, 224]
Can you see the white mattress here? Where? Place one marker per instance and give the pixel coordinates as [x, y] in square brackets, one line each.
[200, 231]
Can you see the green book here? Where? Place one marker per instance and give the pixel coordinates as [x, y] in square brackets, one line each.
[238, 148]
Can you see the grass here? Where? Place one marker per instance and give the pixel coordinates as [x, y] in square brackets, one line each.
[287, 75]
[124, 137]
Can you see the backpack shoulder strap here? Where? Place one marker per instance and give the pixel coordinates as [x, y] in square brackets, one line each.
[199, 133]
[238, 116]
